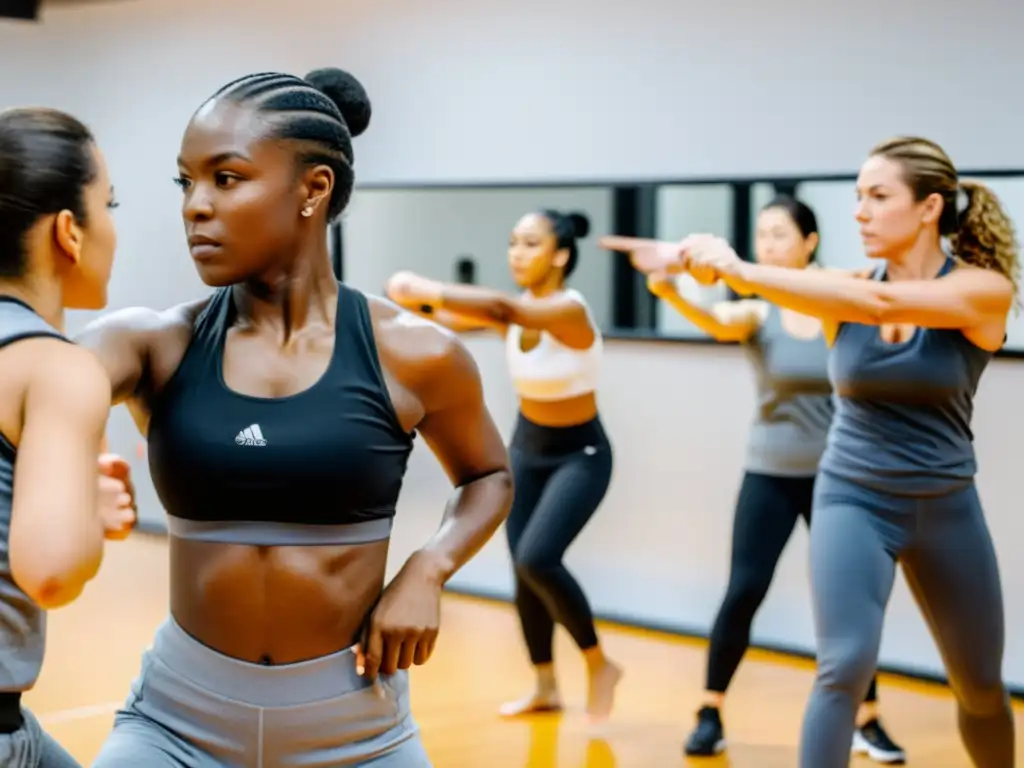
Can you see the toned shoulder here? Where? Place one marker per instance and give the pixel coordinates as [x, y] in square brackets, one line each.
[982, 276]
[414, 349]
[145, 322]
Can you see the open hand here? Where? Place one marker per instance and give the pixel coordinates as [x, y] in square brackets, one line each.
[402, 629]
[116, 497]
[412, 291]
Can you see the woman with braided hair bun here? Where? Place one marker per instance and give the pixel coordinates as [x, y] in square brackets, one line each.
[561, 457]
[280, 413]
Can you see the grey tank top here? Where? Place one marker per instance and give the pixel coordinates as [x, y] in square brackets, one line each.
[794, 402]
[22, 622]
[903, 411]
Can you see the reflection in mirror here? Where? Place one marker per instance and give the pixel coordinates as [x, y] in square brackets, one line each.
[546, 751]
[462, 235]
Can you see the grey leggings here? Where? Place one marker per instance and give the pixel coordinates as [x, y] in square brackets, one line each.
[949, 563]
[32, 747]
[191, 707]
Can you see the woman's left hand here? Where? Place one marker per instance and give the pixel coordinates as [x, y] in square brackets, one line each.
[403, 626]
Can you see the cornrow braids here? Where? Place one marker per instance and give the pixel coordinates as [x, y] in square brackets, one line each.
[322, 113]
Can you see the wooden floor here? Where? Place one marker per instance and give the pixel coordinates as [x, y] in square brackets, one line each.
[95, 645]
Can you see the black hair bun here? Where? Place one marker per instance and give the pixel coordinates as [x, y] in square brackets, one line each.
[580, 224]
[347, 92]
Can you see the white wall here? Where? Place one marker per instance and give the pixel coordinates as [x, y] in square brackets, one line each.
[530, 89]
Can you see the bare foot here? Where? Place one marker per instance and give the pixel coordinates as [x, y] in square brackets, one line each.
[601, 694]
[540, 701]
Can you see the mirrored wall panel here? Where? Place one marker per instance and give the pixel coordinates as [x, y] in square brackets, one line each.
[463, 234]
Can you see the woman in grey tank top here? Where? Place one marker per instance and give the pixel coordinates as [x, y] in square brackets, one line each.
[787, 438]
[896, 483]
[56, 249]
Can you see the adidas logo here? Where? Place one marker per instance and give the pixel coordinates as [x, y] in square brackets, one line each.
[251, 435]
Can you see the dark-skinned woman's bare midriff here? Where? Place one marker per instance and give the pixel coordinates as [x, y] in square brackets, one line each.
[275, 605]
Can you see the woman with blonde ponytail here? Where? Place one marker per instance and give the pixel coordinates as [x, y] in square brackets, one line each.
[896, 483]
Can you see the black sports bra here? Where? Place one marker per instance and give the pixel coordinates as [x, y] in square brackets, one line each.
[324, 466]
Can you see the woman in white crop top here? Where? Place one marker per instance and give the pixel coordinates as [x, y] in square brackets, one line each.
[561, 457]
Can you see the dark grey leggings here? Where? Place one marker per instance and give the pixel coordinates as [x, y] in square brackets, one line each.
[561, 476]
[944, 547]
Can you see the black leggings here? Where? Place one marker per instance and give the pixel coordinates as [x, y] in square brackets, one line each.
[561, 476]
[766, 511]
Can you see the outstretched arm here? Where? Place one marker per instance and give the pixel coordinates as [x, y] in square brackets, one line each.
[970, 299]
[561, 315]
[726, 321]
[973, 300]
[456, 322]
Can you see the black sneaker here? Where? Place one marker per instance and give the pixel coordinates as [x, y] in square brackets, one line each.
[708, 738]
[872, 740]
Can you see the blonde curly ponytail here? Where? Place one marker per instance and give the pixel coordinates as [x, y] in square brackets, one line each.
[985, 235]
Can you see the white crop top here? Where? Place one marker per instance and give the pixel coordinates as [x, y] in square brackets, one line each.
[552, 371]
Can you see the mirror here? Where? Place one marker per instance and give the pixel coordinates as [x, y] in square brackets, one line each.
[460, 234]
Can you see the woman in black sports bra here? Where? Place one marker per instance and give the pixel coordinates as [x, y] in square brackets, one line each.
[280, 414]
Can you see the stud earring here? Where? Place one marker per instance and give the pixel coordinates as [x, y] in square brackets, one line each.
[307, 212]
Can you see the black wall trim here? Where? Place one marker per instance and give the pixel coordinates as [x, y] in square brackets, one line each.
[634, 214]
[552, 183]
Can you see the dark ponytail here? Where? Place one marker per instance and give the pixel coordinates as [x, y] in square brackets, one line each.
[568, 228]
[46, 162]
